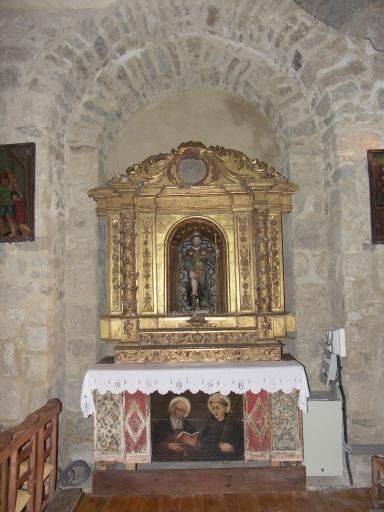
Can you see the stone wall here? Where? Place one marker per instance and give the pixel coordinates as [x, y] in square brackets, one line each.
[92, 87]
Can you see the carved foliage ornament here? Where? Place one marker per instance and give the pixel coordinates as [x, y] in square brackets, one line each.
[187, 355]
[128, 263]
[275, 262]
[206, 165]
[147, 264]
[263, 281]
[115, 266]
[245, 300]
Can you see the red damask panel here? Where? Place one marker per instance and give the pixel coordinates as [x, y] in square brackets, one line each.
[257, 425]
[137, 428]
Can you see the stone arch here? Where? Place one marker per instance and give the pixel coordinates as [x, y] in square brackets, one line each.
[279, 97]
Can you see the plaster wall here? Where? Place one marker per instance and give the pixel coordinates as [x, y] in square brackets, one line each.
[207, 115]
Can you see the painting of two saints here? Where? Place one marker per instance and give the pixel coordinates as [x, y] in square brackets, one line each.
[197, 426]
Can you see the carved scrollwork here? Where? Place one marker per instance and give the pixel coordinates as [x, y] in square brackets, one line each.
[147, 264]
[179, 355]
[115, 267]
[265, 327]
[263, 280]
[275, 262]
[223, 164]
[130, 328]
[128, 261]
[196, 322]
[244, 259]
[197, 338]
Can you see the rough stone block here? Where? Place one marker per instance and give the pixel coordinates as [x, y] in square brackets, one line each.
[212, 15]
[101, 47]
[111, 29]
[35, 366]
[349, 71]
[9, 402]
[344, 91]
[16, 317]
[9, 77]
[8, 361]
[36, 339]
[306, 237]
[72, 393]
[15, 54]
[322, 108]
[297, 61]
[380, 99]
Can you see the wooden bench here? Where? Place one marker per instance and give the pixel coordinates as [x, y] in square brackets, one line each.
[28, 461]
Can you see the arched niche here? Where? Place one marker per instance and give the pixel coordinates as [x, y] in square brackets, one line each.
[197, 268]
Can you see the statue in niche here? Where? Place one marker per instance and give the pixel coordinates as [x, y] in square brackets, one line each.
[198, 273]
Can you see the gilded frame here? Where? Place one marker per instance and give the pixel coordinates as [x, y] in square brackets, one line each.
[17, 192]
[376, 190]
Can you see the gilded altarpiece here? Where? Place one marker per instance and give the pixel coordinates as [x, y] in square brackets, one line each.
[195, 261]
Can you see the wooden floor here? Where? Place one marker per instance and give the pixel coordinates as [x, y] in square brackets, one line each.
[349, 500]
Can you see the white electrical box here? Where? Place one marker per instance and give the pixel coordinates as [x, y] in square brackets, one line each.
[323, 435]
[335, 340]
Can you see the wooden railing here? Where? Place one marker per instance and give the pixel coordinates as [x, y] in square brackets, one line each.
[28, 461]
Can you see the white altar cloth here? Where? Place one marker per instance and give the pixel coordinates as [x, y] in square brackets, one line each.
[215, 377]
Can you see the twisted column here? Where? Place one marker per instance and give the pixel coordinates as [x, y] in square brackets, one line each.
[128, 261]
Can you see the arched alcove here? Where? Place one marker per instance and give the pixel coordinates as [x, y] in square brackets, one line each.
[197, 268]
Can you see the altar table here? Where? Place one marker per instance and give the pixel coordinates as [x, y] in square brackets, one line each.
[274, 396]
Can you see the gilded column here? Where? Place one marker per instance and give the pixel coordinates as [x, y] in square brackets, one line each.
[263, 280]
[276, 261]
[114, 266]
[147, 264]
[128, 261]
[244, 263]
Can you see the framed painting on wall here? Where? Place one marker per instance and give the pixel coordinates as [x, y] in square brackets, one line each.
[17, 188]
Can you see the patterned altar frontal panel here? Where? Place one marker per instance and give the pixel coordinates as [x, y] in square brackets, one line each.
[257, 425]
[197, 427]
[286, 432]
[137, 428]
[109, 427]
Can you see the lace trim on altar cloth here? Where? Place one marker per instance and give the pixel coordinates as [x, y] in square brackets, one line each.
[207, 377]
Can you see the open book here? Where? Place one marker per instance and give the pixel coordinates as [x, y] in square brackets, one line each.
[187, 438]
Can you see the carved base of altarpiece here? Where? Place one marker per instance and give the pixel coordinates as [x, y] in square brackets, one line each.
[197, 338]
[270, 351]
[212, 330]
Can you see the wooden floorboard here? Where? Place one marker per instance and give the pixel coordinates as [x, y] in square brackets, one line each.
[346, 500]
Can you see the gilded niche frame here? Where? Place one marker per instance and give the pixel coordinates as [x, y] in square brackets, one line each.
[236, 206]
[182, 231]
[376, 188]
